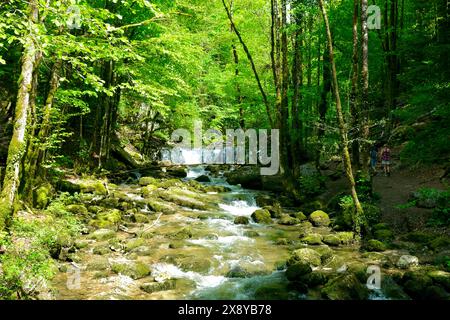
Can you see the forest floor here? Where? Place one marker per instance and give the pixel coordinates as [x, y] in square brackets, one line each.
[396, 190]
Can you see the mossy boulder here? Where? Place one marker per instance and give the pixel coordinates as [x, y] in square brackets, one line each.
[332, 240]
[312, 239]
[93, 186]
[107, 219]
[375, 245]
[287, 220]
[319, 218]
[78, 209]
[161, 206]
[102, 234]
[275, 210]
[346, 237]
[183, 198]
[140, 218]
[262, 216]
[203, 178]
[407, 261]
[171, 183]
[201, 265]
[145, 181]
[297, 271]
[134, 270]
[98, 265]
[415, 284]
[241, 220]
[182, 234]
[299, 215]
[134, 243]
[148, 190]
[305, 255]
[151, 287]
[101, 249]
[314, 279]
[42, 196]
[345, 287]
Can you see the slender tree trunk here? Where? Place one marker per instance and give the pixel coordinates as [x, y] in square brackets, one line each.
[37, 151]
[18, 144]
[364, 122]
[255, 72]
[342, 126]
[323, 104]
[284, 112]
[297, 148]
[354, 103]
[239, 98]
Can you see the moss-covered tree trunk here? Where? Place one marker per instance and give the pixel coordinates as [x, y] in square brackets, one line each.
[342, 126]
[364, 123]
[37, 150]
[18, 144]
[354, 103]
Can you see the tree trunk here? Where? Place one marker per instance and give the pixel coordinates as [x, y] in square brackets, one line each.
[250, 59]
[364, 122]
[286, 160]
[18, 144]
[342, 127]
[354, 105]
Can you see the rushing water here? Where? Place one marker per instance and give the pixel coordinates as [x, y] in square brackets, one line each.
[242, 258]
[221, 260]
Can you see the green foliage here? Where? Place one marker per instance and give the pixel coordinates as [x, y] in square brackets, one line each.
[27, 265]
[312, 185]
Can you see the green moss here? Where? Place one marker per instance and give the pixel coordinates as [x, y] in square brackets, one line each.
[241, 220]
[346, 237]
[305, 255]
[288, 220]
[107, 219]
[140, 218]
[375, 245]
[262, 216]
[134, 270]
[134, 243]
[102, 234]
[312, 239]
[42, 196]
[332, 240]
[78, 209]
[93, 186]
[440, 242]
[147, 191]
[145, 181]
[319, 218]
[159, 206]
[384, 235]
[182, 234]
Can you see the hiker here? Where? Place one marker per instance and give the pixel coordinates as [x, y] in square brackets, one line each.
[386, 160]
[373, 158]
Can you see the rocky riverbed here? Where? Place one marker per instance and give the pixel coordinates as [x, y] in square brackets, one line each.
[172, 238]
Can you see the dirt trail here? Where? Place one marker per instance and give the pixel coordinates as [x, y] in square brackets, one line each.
[396, 189]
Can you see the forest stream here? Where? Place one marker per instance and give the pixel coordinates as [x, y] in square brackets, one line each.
[194, 254]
